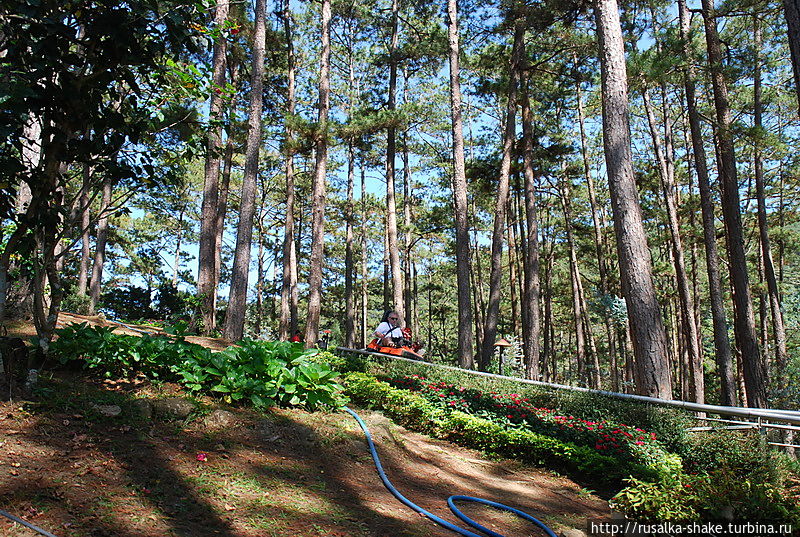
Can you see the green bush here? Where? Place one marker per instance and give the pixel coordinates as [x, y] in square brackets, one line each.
[416, 412]
[123, 356]
[75, 303]
[263, 373]
[619, 440]
[674, 497]
[669, 425]
[706, 496]
[343, 362]
[745, 455]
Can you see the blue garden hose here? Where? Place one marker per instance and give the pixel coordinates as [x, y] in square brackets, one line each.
[26, 524]
[450, 501]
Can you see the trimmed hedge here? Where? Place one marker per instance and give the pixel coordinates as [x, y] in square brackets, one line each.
[419, 414]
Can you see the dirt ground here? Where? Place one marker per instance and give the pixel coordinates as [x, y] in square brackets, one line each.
[73, 471]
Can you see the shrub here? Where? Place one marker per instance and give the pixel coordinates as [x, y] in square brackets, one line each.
[346, 363]
[668, 424]
[675, 497]
[706, 496]
[512, 410]
[130, 302]
[414, 411]
[745, 455]
[118, 355]
[263, 373]
[80, 304]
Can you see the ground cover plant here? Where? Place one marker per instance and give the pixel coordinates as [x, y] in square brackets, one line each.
[417, 412]
[609, 438]
[668, 425]
[262, 373]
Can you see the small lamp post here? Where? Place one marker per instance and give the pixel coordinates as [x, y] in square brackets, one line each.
[501, 345]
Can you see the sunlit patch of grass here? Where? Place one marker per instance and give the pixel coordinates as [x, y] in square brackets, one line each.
[204, 482]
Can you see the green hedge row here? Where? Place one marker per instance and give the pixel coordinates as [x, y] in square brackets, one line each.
[417, 413]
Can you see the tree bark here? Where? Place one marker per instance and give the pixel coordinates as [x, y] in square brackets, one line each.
[531, 286]
[408, 244]
[349, 309]
[513, 265]
[744, 320]
[722, 346]
[319, 185]
[206, 259]
[791, 9]
[237, 302]
[391, 151]
[288, 315]
[460, 206]
[685, 301]
[364, 258]
[86, 250]
[101, 238]
[509, 135]
[222, 210]
[778, 327]
[646, 324]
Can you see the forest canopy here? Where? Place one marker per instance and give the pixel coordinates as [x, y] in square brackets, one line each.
[613, 188]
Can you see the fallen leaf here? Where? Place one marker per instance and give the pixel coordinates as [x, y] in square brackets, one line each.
[229, 507]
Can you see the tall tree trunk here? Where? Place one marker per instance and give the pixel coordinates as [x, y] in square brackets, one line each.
[31, 156]
[391, 151]
[509, 135]
[636, 272]
[86, 251]
[744, 320]
[206, 259]
[531, 286]
[460, 206]
[548, 347]
[599, 225]
[349, 308]
[288, 315]
[260, 266]
[349, 268]
[778, 328]
[319, 184]
[565, 195]
[722, 346]
[791, 9]
[408, 244]
[364, 258]
[237, 303]
[222, 210]
[513, 265]
[101, 238]
[685, 301]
